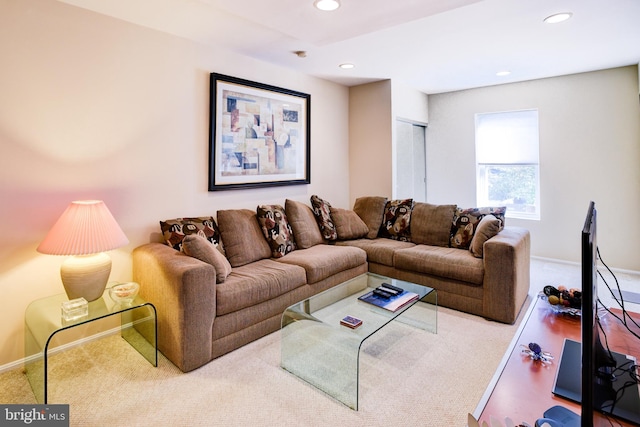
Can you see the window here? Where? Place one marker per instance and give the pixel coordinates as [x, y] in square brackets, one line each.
[507, 162]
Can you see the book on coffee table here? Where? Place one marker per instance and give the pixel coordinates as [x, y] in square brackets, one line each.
[351, 322]
[393, 303]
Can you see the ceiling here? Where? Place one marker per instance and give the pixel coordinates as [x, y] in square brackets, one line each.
[431, 45]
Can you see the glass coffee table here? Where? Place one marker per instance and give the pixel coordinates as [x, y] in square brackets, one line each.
[324, 353]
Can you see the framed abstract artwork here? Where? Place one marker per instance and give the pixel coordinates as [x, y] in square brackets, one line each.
[259, 135]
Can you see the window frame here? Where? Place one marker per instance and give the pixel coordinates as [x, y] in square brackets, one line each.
[514, 210]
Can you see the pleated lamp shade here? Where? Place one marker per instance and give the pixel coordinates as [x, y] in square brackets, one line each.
[85, 230]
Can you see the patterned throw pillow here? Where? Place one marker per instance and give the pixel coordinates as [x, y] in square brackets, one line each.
[465, 222]
[322, 212]
[174, 230]
[396, 221]
[276, 229]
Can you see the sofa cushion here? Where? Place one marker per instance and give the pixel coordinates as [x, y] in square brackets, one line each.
[276, 229]
[371, 210]
[450, 263]
[488, 227]
[304, 225]
[396, 221]
[348, 224]
[252, 284]
[174, 230]
[380, 250]
[322, 212]
[431, 224]
[322, 261]
[198, 247]
[242, 238]
[465, 222]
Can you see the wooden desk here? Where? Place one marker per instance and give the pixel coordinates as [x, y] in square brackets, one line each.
[523, 390]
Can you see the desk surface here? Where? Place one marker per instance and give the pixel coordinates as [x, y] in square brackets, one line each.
[523, 391]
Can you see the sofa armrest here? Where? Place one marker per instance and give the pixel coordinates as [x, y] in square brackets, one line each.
[506, 277]
[183, 291]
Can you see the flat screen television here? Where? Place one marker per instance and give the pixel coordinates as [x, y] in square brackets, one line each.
[590, 374]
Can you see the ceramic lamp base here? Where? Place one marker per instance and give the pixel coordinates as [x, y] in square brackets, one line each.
[86, 276]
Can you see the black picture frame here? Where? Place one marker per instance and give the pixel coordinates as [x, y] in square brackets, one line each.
[259, 135]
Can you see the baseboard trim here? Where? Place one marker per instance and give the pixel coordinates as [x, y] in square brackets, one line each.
[577, 264]
[19, 364]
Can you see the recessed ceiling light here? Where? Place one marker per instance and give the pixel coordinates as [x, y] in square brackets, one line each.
[346, 66]
[558, 17]
[327, 5]
[503, 73]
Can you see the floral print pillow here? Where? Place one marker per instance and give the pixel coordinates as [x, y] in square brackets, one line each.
[276, 229]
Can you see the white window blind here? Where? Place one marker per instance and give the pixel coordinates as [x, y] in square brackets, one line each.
[507, 138]
[507, 162]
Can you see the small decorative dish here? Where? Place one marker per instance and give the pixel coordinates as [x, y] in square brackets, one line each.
[124, 292]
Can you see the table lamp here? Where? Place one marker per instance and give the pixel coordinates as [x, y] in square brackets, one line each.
[85, 230]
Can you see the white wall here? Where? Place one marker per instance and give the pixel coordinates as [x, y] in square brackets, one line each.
[373, 110]
[589, 150]
[370, 138]
[409, 104]
[94, 107]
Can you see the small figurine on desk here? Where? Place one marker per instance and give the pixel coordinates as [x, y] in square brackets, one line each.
[535, 352]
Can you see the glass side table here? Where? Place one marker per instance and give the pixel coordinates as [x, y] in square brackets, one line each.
[45, 330]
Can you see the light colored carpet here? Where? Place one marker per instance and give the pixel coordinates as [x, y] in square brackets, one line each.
[408, 377]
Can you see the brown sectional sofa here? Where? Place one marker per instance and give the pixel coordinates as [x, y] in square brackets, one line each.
[202, 314]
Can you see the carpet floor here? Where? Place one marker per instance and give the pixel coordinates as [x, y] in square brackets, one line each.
[408, 377]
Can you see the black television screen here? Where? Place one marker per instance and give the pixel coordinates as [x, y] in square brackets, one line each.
[590, 334]
[596, 361]
[587, 372]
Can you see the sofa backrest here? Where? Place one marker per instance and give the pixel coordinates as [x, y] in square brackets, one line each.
[242, 237]
[303, 222]
[431, 224]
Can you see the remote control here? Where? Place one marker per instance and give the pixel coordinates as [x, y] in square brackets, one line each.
[391, 291]
[382, 294]
[395, 288]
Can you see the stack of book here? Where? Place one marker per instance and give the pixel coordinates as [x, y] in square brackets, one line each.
[389, 297]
